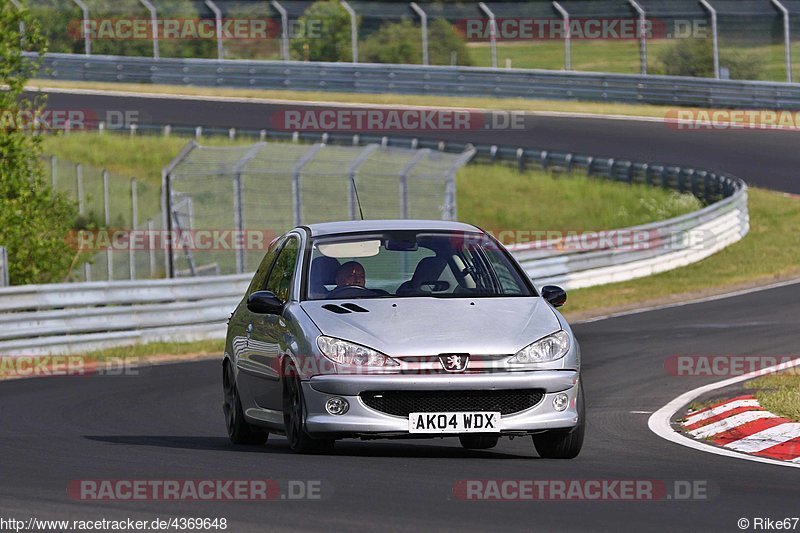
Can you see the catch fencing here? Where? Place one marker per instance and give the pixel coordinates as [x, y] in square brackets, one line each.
[276, 186]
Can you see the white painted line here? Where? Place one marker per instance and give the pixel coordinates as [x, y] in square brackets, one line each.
[641, 412]
[726, 424]
[659, 422]
[766, 439]
[724, 408]
[713, 298]
[796, 460]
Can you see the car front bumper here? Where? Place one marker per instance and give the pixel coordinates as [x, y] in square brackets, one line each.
[363, 421]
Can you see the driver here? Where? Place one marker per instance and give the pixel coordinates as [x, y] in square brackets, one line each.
[352, 274]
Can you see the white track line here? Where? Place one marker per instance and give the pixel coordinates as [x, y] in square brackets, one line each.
[724, 408]
[766, 439]
[712, 298]
[659, 422]
[727, 424]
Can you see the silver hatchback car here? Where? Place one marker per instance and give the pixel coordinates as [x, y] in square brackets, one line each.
[400, 328]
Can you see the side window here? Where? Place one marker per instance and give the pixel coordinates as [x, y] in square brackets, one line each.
[280, 279]
[260, 277]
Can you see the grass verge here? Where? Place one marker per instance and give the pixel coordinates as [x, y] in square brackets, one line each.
[778, 393]
[489, 103]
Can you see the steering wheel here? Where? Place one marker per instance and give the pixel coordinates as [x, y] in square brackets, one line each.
[349, 291]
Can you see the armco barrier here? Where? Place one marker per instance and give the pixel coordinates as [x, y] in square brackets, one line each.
[418, 79]
[77, 317]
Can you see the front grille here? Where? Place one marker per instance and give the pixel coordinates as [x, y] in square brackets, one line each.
[401, 403]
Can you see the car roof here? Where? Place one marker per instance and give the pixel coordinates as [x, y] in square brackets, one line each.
[358, 226]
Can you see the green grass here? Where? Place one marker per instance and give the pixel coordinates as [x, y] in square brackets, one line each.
[474, 102]
[620, 56]
[498, 198]
[483, 190]
[779, 393]
[768, 253]
[199, 348]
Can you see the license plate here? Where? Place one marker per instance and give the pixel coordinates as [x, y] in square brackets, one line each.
[462, 422]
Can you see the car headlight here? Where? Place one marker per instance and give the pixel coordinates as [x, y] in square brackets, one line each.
[547, 349]
[348, 353]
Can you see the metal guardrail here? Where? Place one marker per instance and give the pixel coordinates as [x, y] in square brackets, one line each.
[426, 80]
[77, 317]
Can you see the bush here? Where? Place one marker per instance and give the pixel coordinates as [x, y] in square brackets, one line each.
[401, 42]
[695, 57]
[325, 33]
[34, 220]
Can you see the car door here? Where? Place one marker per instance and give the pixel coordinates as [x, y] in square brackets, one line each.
[241, 327]
[268, 340]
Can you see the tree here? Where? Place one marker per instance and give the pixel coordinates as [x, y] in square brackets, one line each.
[34, 220]
[695, 57]
[401, 42]
[324, 33]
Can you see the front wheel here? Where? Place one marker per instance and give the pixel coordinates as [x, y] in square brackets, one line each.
[239, 431]
[294, 418]
[563, 444]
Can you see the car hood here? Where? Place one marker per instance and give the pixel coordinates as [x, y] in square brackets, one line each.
[426, 326]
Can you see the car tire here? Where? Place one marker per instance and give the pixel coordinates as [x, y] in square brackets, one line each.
[239, 431]
[563, 444]
[294, 417]
[479, 442]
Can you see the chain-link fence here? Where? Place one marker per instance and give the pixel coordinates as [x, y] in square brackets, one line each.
[739, 39]
[260, 191]
[110, 207]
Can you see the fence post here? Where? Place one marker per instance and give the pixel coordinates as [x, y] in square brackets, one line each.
[134, 224]
[284, 29]
[642, 36]
[4, 280]
[787, 40]
[423, 20]
[79, 182]
[492, 31]
[218, 24]
[54, 170]
[419, 156]
[107, 219]
[87, 40]
[296, 171]
[154, 22]
[353, 29]
[714, 35]
[567, 36]
[151, 246]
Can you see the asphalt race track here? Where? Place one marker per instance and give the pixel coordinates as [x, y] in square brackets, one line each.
[761, 157]
[166, 423]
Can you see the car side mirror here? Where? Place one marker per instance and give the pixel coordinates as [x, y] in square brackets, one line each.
[264, 303]
[555, 295]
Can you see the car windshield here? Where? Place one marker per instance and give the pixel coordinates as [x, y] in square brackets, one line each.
[411, 264]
